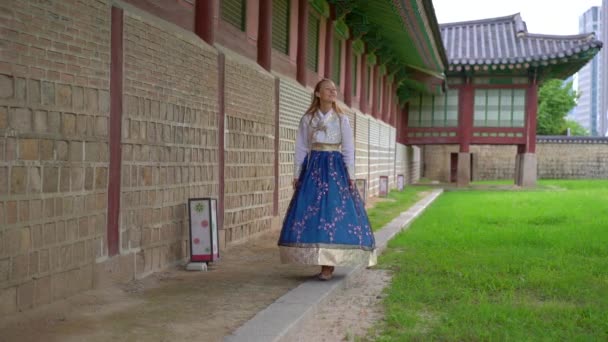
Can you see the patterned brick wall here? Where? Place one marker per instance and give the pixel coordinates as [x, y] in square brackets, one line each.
[169, 138]
[555, 161]
[249, 151]
[437, 161]
[362, 146]
[414, 162]
[389, 155]
[572, 160]
[374, 146]
[293, 102]
[401, 161]
[54, 107]
[493, 162]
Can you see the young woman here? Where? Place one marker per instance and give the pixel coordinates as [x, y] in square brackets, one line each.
[326, 223]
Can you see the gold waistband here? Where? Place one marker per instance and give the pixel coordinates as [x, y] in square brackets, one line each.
[325, 147]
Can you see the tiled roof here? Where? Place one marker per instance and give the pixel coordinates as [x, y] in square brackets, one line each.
[560, 139]
[506, 41]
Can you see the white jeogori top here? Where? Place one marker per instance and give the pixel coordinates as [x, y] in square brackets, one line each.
[329, 128]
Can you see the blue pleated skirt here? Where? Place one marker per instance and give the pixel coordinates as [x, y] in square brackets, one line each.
[326, 222]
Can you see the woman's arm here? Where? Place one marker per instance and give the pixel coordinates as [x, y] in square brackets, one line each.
[301, 148]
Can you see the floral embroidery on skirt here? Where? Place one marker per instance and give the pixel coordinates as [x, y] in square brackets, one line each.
[326, 222]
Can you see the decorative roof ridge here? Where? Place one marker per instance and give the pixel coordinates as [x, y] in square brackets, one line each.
[589, 36]
[571, 139]
[507, 18]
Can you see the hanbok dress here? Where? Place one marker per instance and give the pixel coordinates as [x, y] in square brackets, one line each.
[326, 222]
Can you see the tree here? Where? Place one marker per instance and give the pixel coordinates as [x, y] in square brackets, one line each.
[555, 100]
[575, 128]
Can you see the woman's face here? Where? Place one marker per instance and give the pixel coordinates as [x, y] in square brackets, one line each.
[327, 92]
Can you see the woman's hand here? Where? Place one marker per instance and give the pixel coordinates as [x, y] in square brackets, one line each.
[351, 182]
[294, 183]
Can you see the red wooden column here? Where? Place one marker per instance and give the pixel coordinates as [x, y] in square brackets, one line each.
[363, 79]
[302, 41]
[329, 42]
[348, 77]
[465, 114]
[375, 95]
[466, 108]
[405, 113]
[526, 162]
[116, 92]
[531, 113]
[221, 118]
[203, 20]
[264, 34]
[391, 107]
[386, 114]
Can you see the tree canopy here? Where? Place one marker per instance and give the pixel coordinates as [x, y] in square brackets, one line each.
[555, 100]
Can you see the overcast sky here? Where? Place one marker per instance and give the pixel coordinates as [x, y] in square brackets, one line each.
[541, 16]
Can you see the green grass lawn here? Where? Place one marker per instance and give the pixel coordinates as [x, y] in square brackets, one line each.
[396, 202]
[502, 266]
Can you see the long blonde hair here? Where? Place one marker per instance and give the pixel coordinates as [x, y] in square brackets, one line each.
[316, 102]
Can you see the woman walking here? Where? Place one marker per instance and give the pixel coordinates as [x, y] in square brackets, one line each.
[326, 223]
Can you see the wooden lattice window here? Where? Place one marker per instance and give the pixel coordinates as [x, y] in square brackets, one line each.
[233, 12]
[434, 111]
[312, 53]
[337, 59]
[499, 108]
[280, 25]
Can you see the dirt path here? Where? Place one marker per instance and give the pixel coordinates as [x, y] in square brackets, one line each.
[175, 305]
[348, 315]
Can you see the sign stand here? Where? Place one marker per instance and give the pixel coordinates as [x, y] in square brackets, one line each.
[383, 191]
[203, 233]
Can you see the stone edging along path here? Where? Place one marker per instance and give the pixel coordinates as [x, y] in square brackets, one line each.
[281, 319]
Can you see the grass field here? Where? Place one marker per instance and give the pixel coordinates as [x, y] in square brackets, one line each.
[501, 266]
[396, 202]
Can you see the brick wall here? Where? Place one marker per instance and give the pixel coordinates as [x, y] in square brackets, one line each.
[574, 160]
[250, 131]
[293, 102]
[54, 108]
[556, 160]
[169, 137]
[375, 170]
[389, 163]
[414, 162]
[401, 161]
[436, 164]
[493, 162]
[54, 146]
[362, 146]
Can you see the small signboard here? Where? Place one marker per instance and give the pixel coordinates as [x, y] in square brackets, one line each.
[361, 184]
[400, 182]
[203, 229]
[383, 192]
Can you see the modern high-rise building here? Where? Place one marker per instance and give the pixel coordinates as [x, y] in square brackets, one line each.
[588, 111]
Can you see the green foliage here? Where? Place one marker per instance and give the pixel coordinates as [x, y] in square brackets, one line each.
[502, 266]
[575, 128]
[555, 100]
